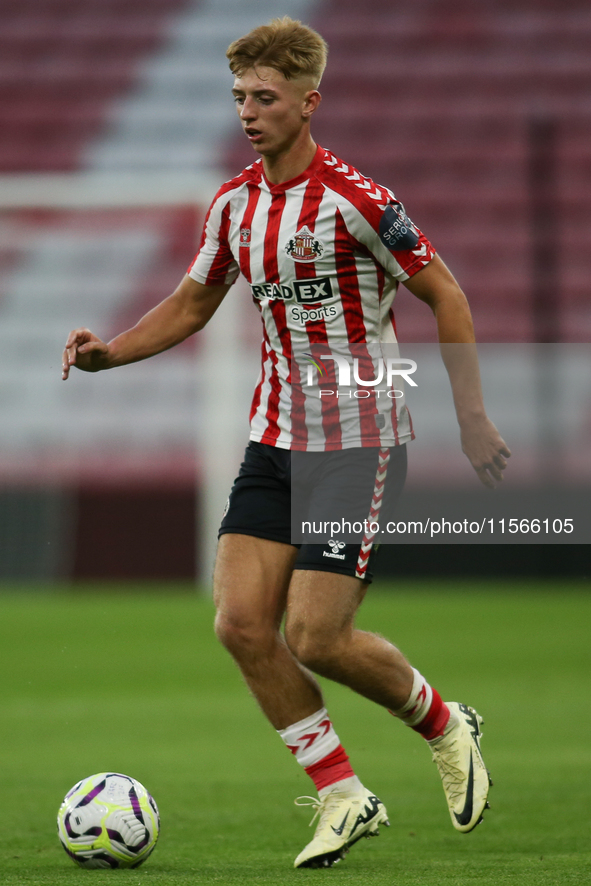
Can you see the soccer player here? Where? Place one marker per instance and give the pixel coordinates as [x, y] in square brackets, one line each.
[323, 249]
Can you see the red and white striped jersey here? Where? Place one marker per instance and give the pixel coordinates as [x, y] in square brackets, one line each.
[323, 254]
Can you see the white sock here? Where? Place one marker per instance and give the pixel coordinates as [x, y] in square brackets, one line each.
[419, 701]
[311, 739]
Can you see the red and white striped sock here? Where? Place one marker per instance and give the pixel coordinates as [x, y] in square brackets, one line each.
[424, 711]
[317, 748]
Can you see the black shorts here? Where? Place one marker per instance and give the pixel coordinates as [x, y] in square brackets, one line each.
[329, 515]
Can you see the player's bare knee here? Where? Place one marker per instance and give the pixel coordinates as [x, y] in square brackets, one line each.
[233, 633]
[243, 637]
[319, 656]
[315, 648]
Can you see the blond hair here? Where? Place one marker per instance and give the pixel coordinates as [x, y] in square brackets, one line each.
[287, 45]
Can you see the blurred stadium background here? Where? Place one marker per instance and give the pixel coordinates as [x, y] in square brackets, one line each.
[117, 128]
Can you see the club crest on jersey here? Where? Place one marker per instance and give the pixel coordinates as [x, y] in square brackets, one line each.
[245, 236]
[304, 246]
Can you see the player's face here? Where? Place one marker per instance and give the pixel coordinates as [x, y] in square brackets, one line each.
[274, 112]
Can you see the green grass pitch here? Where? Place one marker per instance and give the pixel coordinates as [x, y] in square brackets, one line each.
[98, 679]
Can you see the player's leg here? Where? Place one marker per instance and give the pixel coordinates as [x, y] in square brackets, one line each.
[321, 632]
[251, 580]
[347, 810]
[323, 635]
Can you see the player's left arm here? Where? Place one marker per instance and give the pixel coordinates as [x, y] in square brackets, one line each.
[481, 442]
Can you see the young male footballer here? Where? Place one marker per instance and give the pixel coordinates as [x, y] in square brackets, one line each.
[323, 249]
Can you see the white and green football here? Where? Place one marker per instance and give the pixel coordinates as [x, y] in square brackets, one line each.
[108, 820]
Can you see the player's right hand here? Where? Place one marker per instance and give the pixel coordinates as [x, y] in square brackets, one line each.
[85, 351]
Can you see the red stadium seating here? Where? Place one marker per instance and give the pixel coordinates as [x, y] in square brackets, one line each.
[61, 63]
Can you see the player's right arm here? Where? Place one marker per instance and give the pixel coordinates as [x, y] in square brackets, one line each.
[184, 312]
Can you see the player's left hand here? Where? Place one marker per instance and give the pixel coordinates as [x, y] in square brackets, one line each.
[486, 450]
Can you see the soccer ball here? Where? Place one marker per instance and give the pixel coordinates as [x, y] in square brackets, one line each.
[108, 820]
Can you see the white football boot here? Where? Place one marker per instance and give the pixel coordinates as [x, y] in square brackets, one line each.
[345, 817]
[465, 778]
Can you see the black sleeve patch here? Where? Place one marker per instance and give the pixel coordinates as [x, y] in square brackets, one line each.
[397, 232]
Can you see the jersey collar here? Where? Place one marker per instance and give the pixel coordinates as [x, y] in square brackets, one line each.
[314, 166]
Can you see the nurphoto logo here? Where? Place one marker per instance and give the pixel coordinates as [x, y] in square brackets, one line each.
[385, 369]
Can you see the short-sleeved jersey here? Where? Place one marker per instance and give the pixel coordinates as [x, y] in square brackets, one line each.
[323, 255]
